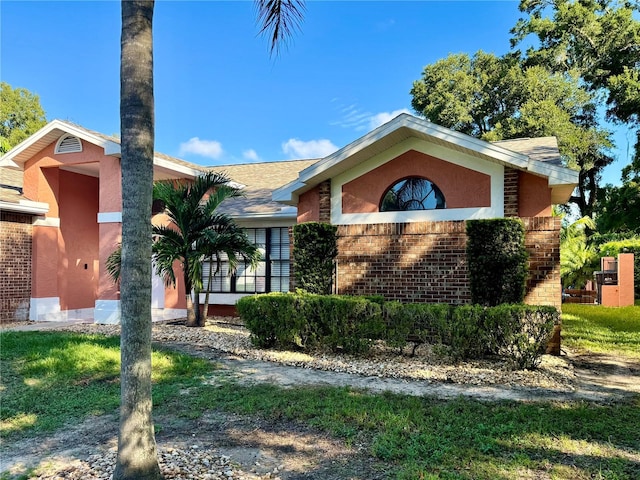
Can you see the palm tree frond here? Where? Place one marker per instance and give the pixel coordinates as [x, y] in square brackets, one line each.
[279, 19]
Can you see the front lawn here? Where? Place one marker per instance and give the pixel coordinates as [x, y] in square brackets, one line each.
[417, 438]
[602, 329]
[51, 378]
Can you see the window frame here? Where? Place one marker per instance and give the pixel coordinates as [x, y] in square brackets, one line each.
[435, 193]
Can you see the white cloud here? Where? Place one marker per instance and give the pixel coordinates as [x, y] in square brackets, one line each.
[296, 148]
[383, 117]
[359, 120]
[251, 155]
[204, 148]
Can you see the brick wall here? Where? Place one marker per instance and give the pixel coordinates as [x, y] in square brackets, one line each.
[542, 240]
[409, 262]
[324, 190]
[15, 264]
[426, 262]
[510, 192]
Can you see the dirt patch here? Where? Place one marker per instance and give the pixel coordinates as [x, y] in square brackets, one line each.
[217, 445]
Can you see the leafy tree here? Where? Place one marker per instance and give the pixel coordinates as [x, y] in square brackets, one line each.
[20, 116]
[315, 248]
[619, 208]
[197, 231]
[598, 40]
[496, 98]
[137, 454]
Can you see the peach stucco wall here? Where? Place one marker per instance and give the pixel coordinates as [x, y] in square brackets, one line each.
[309, 206]
[462, 187]
[44, 267]
[78, 262]
[534, 196]
[110, 235]
[110, 185]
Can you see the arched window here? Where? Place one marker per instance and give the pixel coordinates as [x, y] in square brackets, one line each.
[413, 193]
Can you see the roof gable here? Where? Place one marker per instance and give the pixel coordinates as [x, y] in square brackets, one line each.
[522, 155]
[165, 166]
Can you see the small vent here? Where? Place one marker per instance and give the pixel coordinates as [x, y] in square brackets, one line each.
[69, 144]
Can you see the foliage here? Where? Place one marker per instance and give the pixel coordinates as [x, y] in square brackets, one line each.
[578, 258]
[520, 333]
[417, 322]
[79, 375]
[21, 115]
[286, 320]
[314, 251]
[497, 261]
[197, 230]
[614, 331]
[497, 98]
[619, 208]
[597, 39]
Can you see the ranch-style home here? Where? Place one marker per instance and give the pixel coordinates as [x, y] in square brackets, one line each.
[400, 196]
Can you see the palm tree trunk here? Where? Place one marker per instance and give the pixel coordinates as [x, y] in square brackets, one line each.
[137, 455]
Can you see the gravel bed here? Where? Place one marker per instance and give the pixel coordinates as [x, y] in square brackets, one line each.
[175, 464]
[554, 373]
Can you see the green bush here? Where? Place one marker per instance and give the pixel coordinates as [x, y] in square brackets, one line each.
[311, 321]
[519, 332]
[315, 247]
[497, 261]
[416, 322]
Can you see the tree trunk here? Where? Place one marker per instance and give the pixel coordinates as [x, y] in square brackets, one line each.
[137, 455]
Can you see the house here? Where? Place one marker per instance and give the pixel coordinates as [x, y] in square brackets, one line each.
[400, 196]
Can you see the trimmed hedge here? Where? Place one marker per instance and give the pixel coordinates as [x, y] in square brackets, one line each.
[307, 321]
[497, 260]
[315, 247]
[519, 332]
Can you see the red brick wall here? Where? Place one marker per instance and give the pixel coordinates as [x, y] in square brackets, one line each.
[426, 262]
[410, 262]
[510, 192]
[15, 264]
[542, 240]
[324, 191]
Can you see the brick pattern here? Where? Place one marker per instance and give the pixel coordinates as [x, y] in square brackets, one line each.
[409, 262]
[426, 262]
[510, 192]
[324, 189]
[15, 264]
[542, 241]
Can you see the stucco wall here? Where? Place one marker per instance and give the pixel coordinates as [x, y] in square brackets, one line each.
[15, 264]
[462, 187]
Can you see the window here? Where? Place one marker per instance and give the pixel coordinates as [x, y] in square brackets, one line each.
[270, 275]
[413, 193]
[68, 144]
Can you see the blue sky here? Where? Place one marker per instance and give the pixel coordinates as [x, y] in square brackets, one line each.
[221, 98]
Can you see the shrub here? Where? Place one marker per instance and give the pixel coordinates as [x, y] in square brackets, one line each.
[497, 261]
[416, 322]
[310, 321]
[315, 247]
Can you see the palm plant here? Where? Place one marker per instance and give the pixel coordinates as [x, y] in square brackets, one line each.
[577, 256]
[197, 232]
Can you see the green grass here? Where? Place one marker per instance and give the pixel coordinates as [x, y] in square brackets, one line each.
[49, 379]
[602, 329]
[462, 439]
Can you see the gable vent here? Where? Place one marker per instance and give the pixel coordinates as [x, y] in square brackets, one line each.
[68, 144]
